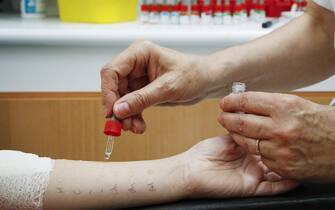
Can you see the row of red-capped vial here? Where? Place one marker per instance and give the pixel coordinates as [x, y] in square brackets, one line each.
[200, 12]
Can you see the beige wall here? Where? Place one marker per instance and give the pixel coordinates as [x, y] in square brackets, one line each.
[69, 125]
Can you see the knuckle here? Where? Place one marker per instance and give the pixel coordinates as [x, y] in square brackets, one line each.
[141, 100]
[289, 101]
[244, 100]
[242, 127]
[289, 132]
[142, 43]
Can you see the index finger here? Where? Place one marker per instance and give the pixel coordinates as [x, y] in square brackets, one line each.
[123, 65]
[249, 102]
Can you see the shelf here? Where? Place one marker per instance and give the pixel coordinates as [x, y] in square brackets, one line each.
[17, 31]
[47, 55]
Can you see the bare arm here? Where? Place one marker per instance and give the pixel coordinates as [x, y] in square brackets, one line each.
[85, 184]
[216, 167]
[296, 55]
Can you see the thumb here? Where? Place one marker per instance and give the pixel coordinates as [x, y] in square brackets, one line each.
[135, 102]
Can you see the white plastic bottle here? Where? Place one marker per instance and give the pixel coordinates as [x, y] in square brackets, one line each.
[154, 14]
[175, 15]
[218, 15]
[227, 18]
[206, 15]
[144, 13]
[165, 14]
[33, 8]
[243, 12]
[195, 16]
[184, 17]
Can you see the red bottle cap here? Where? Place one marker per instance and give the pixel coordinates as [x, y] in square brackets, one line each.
[195, 8]
[183, 8]
[218, 8]
[206, 8]
[165, 8]
[112, 127]
[154, 8]
[175, 8]
[144, 8]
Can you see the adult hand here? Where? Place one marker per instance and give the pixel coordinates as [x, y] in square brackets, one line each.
[297, 137]
[146, 74]
[218, 167]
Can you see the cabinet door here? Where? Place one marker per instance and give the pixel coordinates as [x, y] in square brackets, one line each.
[70, 126]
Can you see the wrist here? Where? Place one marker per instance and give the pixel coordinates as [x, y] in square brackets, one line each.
[219, 68]
[179, 182]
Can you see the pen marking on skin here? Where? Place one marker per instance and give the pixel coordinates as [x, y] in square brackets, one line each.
[114, 189]
[151, 187]
[60, 190]
[132, 188]
[76, 192]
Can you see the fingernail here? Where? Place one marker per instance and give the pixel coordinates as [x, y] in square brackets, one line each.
[122, 109]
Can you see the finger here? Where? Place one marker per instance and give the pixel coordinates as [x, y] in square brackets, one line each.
[138, 83]
[273, 188]
[273, 165]
[133, 59]
[266, 148]
[138, 125]
[249, 125]
[126, 124]
[109, 83]
[272, 176]
[249, 102]
[135, 102]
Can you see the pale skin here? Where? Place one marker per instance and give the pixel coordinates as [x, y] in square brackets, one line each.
[293, 56]
[214, 168]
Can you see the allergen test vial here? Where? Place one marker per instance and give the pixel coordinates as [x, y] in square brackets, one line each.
[218, 16]
[238, 87]
[33, 8]
[165, 14]
[195, 16]
[206, 15]
[154, 14]
[227, 18]
[243, 12]
[144, 13]
[112, 130]
[175, 15]
[184, 18]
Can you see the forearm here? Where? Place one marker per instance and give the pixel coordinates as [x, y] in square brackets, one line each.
[83, 184]
[295, 55]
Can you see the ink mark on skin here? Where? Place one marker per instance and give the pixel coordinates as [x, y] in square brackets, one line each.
[132, 188]
[76, 192]
[151, 187]
[114, 189]
[60, 190]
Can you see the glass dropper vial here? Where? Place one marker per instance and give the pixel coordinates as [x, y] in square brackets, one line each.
[112, 130]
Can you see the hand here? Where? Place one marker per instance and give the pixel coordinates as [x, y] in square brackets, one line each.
[146, 74]
[297, 136]
[218, 167]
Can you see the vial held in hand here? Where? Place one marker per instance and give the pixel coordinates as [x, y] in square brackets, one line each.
[112, 130]
[238, 87]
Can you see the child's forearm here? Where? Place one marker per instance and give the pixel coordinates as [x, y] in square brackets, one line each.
[82, 184]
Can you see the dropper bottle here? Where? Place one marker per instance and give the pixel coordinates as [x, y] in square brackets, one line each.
[112, 130]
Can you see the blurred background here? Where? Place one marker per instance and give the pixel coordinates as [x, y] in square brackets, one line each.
[51, 53]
